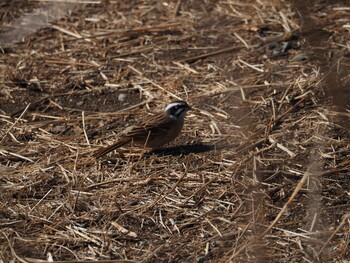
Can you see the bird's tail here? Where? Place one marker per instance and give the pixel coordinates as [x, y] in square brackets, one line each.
[99, 153]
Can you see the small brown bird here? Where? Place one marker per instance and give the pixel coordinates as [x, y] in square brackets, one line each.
[155, 130]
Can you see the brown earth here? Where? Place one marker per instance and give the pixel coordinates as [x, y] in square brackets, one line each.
[259, 174]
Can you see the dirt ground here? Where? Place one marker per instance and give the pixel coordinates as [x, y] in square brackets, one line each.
[260, 172]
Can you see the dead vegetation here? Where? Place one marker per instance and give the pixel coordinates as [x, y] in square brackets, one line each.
[260, 172]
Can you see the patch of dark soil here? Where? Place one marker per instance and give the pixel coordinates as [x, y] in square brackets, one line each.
[321, 40]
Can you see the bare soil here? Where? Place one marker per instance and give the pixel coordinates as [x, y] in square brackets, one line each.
[260, 172]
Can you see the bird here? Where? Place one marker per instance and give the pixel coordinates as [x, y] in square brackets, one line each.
[153, 131]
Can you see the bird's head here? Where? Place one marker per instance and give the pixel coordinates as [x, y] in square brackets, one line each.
[177, 109]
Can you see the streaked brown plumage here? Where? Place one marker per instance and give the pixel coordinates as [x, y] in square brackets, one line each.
[154, 131]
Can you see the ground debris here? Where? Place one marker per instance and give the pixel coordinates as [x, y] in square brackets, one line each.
[260, 171]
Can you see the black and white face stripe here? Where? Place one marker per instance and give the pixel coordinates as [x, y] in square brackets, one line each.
[177, 109]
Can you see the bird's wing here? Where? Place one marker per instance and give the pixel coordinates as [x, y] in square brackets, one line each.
[155, 125]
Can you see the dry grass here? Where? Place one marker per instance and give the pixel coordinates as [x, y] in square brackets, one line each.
[260, 172]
